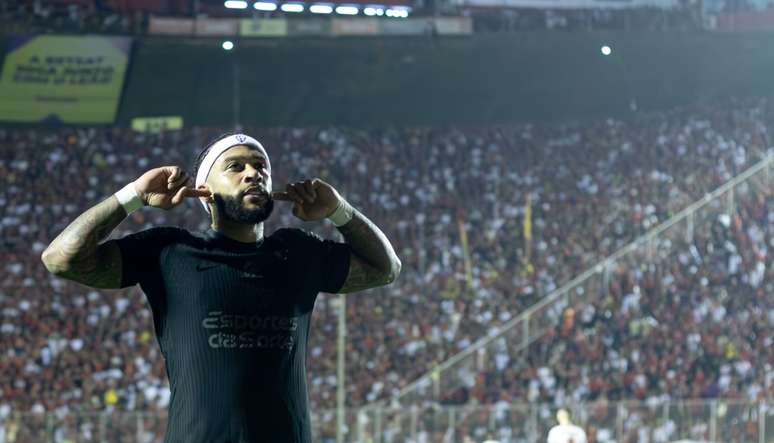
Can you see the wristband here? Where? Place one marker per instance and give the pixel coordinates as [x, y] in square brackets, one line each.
[343, 213]
[129, 198]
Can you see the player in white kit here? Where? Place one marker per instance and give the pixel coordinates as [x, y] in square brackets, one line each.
[565, 431]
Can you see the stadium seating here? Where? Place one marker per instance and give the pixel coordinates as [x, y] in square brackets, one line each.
[591, 187]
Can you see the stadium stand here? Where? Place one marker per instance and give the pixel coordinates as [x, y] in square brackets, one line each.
[591, 186]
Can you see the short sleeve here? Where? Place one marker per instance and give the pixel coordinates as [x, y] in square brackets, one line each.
[328, 260]
[140, 255]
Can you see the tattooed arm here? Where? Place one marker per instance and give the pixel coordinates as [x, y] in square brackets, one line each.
[76, 254]
[374, 262]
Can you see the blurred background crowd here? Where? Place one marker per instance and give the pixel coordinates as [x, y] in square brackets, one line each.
[488, 219]
[526, 206]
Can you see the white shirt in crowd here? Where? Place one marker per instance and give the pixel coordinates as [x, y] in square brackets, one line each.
[566, 434]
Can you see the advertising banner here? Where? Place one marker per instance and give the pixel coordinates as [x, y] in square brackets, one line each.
[263, 27]
[216, 26]
[406, 26]
[453, 25]
[170, 26]
[157, 124]
[312, 26]
[70, 79]
[354, 26]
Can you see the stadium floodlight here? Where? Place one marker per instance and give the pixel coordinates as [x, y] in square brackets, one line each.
[397, 12]
[606, 50]
[235, 4]
[347, 10]
[292, 7]
[228, 45]
[372, 10]
[321, 9]
[265, 6]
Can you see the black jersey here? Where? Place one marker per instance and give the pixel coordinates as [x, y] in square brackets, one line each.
[232, 320]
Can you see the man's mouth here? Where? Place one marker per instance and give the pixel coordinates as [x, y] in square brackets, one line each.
[256, 194]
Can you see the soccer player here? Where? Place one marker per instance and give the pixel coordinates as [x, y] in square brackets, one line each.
[231, 307]
[565, 431]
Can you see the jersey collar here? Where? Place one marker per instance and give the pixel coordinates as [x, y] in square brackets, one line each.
[228, 243]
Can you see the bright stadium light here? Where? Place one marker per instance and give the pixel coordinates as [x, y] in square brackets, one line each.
[292, 7]
[228, 45]
[265, 6]
[397, 12]
[606, 50]
[347, 10]
[372, 10]
[235, 4]
[321, 9]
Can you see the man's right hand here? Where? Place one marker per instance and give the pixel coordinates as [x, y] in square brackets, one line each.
[166, 187]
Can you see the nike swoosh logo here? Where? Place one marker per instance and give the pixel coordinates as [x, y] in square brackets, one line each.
[205, 267]
[249, 275]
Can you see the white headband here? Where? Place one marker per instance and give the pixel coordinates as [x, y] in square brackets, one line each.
[218, 148]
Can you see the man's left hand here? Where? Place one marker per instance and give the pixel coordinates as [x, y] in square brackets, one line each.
[312, 199]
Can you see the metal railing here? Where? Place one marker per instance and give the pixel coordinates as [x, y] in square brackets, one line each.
[518, 333]
[81, 427]
[718, 420]
[626, 421]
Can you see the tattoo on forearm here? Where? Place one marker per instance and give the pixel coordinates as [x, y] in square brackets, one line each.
[74, 252]
[377, 263]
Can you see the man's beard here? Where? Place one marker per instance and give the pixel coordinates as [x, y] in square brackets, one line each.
[231, 208]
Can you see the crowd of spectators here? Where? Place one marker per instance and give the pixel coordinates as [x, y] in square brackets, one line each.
[590, 186]
[90, 16]
[132, 16]
[691, 319]
[684, 18]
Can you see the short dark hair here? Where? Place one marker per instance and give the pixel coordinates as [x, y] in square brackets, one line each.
[200, 157]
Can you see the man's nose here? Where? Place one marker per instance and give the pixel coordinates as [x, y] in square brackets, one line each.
[252, 174]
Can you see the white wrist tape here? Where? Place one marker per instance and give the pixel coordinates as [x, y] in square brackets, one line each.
[343, 213]
[129, 198]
